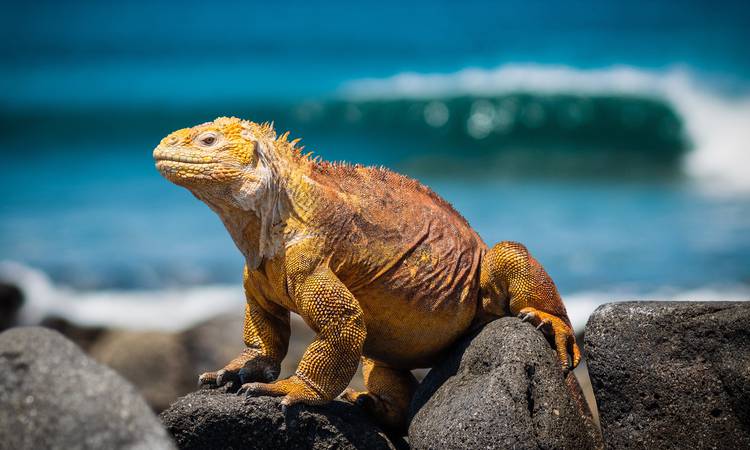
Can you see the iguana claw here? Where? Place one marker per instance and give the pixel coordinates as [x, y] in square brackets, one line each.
[225, 377]
[208, 378]
[218, 378]
[558, 333]
[247, 367]
[543, 324]
[293, 389]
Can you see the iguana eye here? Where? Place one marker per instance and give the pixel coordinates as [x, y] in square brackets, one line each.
[207, 139]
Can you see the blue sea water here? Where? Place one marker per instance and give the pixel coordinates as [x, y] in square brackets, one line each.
[612, 139]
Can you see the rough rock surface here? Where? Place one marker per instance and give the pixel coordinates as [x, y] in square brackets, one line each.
[502, 388]
[215, 419]
[671, 374]
[11, 300]
[53, 396]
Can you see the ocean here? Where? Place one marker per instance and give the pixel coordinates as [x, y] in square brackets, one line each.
[612, 140]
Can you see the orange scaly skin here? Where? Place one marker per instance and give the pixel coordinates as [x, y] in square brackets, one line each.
[380, 267]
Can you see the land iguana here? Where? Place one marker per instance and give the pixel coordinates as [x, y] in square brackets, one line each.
[379, 266]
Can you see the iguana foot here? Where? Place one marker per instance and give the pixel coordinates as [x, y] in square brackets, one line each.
[559, 334]
[389, 392]
[385, 413]
[293, 389]
[248, 366]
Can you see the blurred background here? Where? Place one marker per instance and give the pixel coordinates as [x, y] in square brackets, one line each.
[613, 139]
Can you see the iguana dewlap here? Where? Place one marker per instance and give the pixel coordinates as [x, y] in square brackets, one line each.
[379, 266]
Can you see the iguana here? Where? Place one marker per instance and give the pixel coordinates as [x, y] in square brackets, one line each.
[380, 267]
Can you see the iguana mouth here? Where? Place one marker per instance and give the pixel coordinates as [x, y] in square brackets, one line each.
[183, 159]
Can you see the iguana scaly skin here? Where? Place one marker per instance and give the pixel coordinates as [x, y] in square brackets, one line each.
[380, 267]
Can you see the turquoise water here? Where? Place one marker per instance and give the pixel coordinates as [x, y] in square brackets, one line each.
[610, 139]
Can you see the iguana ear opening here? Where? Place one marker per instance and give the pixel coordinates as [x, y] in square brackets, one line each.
[250, 156]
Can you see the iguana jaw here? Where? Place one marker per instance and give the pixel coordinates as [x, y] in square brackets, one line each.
[185, 173]
[190, 169]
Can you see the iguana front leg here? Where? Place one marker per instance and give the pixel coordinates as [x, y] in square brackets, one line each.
[331, 359]
[510, 274]
[266, 336]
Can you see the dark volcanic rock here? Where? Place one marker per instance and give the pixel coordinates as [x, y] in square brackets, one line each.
[671, 374]
[502, 389]
[11, 300]
[215, 419]
[53, 396]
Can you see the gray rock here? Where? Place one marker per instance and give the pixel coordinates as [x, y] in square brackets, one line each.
[84, 336]
[671, 374]
[213, 343]
[502, 388]
[157, 363]
[11, 300]
[52, 396]
[164, 365]
[215, 419]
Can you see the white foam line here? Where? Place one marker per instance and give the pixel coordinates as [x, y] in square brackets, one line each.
[168, 309]
[532, 78]
[580, 305]
[173, 309]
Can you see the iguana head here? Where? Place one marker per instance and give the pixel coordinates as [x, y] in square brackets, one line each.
[227, 159]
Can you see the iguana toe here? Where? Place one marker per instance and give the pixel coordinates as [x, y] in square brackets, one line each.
[387, 414]
[225, 376]
[249, 366]
[558, 333]
[207, 379]
[360, 399]
[216, 379]
[544, 326]
[293, 389]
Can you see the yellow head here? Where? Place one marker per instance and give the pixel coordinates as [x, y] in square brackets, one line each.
[225, 158]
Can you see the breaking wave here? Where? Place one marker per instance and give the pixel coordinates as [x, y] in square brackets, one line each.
[668, 117]
[513, 120]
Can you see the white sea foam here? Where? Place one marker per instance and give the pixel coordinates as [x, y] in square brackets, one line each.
[167, 309]
[176, 309]
[718, 127]
[580, 305]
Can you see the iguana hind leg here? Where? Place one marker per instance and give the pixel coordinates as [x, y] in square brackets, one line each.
[513, 282]
[389, 392]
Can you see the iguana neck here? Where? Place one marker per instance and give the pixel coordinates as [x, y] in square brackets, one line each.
[261, 225]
